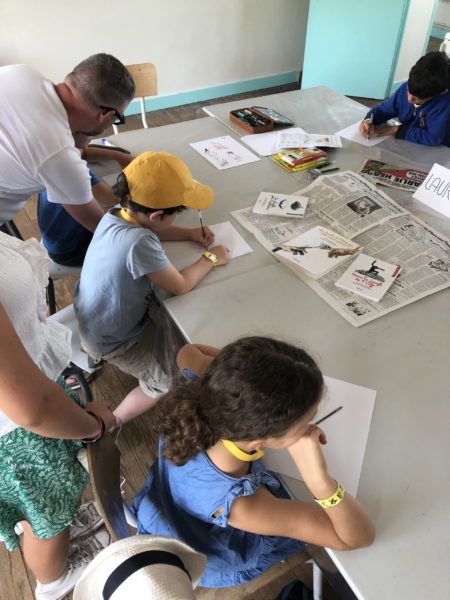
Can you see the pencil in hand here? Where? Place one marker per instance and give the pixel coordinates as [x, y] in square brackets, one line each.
[333, 412]
[201, 224]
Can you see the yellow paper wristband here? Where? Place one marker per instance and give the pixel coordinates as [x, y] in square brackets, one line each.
[333, 500]
[211, 256]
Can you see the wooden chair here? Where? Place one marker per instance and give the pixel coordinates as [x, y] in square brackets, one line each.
[104, 470]
[144, 75]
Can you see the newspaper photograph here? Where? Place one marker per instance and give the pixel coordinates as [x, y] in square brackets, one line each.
[392, 176]
[397, 237]
[423, 254]
[350, 204]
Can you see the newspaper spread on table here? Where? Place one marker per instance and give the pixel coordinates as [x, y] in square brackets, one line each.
[384, 228]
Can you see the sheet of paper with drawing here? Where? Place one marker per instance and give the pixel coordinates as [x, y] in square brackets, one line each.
[299, 139]
[265, 144]
[353, 134]
[347, 432]
[183, 254]
[224, 152]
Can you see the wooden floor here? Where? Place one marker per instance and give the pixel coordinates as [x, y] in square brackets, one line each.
[136, 444]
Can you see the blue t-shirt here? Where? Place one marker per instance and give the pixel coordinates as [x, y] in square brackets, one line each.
[192, 503]
[111, 299]
[65, 239]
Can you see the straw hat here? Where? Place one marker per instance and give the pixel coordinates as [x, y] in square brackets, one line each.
[141, 567]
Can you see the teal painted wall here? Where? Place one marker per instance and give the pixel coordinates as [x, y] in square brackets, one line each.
[352, 45]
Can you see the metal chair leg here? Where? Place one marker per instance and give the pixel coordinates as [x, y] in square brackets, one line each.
[11, 229]
[74, 370]
[51, 300]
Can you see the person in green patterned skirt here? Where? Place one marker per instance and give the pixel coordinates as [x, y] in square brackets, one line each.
[41, 428]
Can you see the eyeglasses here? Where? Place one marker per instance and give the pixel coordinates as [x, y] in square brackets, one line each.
[119, 120]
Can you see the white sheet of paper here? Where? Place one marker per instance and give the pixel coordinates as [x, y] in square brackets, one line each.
[435, 190]
[352, 133]
[294, 139]
[183, 254]
[224, 152]
[347, 432]
[267, 144]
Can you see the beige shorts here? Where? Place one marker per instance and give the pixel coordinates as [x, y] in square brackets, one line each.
[137, 358]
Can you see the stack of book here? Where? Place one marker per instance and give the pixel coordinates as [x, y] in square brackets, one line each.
[301, 159]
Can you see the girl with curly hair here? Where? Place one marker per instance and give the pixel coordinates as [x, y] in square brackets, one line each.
[209, 486]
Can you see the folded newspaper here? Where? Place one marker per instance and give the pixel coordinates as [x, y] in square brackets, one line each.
[392, 176]
[352, 206]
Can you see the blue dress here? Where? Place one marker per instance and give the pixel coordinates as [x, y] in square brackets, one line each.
[192, 503]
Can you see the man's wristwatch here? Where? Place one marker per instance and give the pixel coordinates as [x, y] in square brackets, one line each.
[212, 257]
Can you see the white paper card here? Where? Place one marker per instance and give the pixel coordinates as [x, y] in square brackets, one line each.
[267, 144]
[183, 254]
[435, 190]
[281, 205]
[352, 133]
[224, 152]
[291, 139]
[347, 432]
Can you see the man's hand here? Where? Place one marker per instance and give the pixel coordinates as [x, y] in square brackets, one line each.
[123, 159]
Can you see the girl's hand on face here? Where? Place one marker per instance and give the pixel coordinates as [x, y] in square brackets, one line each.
[309, 458]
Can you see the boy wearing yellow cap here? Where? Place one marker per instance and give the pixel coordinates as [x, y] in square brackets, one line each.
[114, 302]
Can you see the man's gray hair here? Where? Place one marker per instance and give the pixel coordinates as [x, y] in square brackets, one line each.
[102, 79]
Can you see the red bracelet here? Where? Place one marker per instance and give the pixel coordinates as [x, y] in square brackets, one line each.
[99, 436]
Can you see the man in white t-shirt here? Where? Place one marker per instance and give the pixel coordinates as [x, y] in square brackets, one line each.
[37, 123]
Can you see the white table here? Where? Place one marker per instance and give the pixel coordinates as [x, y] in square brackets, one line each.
[322, 110]
[404, 356]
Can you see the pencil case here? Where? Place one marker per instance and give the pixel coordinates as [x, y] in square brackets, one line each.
[258, 119]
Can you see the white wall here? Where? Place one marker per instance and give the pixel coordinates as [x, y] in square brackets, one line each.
[415, 36]
[194, 43]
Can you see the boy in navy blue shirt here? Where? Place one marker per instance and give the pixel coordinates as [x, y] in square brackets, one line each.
[422, 105]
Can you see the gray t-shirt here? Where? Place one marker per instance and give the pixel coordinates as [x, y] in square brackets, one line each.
[112, 297]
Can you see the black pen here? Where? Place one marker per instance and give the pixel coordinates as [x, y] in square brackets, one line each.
[329, 415]
[201, 223]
